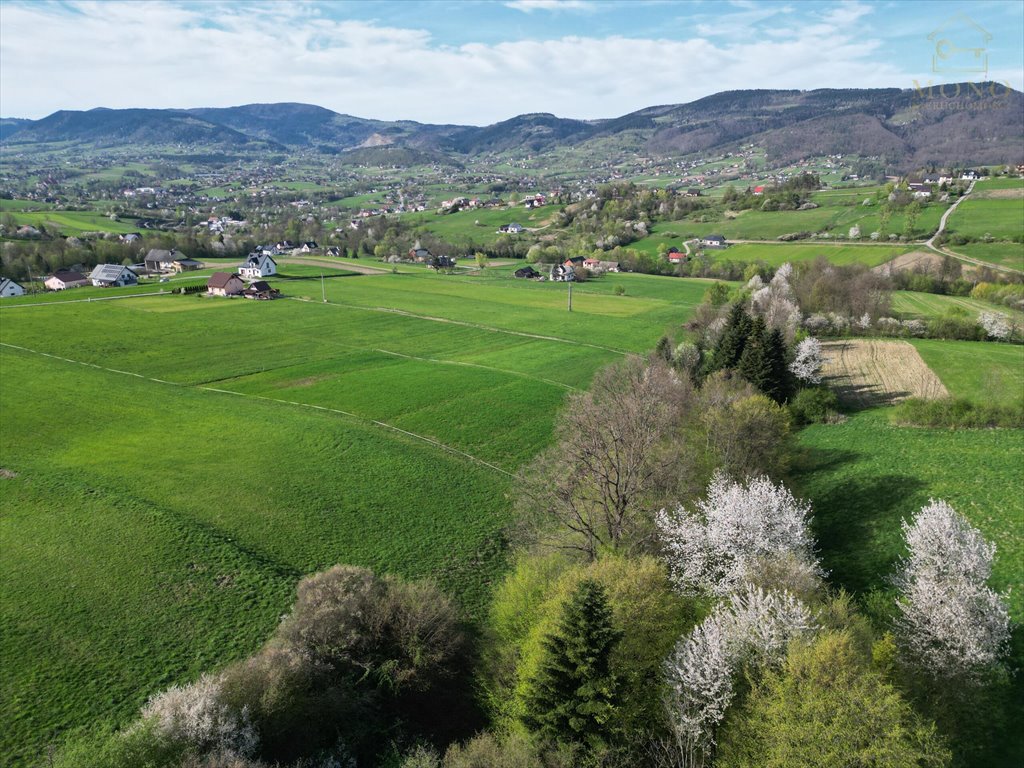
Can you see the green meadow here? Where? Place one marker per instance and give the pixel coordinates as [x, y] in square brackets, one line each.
[1002, 219]
[1006, 254]
[73, 222]
[865, 476]
[981, 371]
[174, 464]
[927, 305]
[839, 254]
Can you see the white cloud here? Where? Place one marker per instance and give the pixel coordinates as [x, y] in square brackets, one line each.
[529, 6]
[159, 54]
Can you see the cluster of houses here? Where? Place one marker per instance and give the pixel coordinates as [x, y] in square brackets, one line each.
[566, 271]
[510, 229]
[231, 284]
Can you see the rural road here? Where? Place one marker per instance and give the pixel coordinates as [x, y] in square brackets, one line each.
[930, 243]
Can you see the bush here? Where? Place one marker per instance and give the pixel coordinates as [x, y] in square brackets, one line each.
[953, 412]
[814, 405]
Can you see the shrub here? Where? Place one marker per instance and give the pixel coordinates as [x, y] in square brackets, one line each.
[955, 413]
[814, 405]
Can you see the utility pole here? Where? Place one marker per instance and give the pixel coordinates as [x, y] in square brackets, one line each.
[570, 295]
[323, 288]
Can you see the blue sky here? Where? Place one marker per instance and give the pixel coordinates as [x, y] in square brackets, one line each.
[481, 61]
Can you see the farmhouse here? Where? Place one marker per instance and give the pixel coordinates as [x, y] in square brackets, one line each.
[260, 290]
[419, 254]
[224, 284]
[309, 247]
[692, 192]
[527, 273]
[510, 229]
[920, 189]
[258, 264]
[440, 262]
[713, 241]
[63, 279]
[111, 275]
[563, 273]
[675, 256]
[158, 260]
[10, 288]
[333, 250]
[131, 237]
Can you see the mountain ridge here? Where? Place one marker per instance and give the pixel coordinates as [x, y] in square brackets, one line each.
[906, 127]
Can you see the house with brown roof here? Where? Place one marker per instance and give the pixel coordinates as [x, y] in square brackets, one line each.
[225, 284]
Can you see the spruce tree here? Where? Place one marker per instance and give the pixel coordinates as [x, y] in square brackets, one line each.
[575, 694]
[734, 337]
[779, 386]
[754, 365]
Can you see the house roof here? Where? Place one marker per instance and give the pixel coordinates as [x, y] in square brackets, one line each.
[222, 279]
[67, 276]
[108, 273]
[259, 286]
[5, 281]
[157, 254]
[714, 237]
[187, 262]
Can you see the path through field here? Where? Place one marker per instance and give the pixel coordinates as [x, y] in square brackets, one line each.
[871, 372]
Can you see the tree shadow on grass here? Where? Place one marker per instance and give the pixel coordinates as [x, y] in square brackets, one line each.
[857, 526]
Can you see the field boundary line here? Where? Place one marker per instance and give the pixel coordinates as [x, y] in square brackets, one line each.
[356, 417]
[520, 374]
[89, 300]
[479, 326]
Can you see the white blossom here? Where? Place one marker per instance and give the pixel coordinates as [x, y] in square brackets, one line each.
[808, 361]
[864, 322]
[755, 283]
[753, 630]
[774, 302]
[951, 624]
[194, 714]
[996, 324]
[718, 546]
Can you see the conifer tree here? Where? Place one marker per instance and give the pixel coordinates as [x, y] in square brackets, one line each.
[575, 694]
[754, 365]
[734, 338]
[779, 385]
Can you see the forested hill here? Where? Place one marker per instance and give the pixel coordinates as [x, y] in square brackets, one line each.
[965, 124]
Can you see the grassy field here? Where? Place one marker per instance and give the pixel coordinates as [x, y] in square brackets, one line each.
[170, 480]
[1003, 219]
[73, 222]
[926, 305]
[839, 254]
[480, 226]
[1006, 254]
[977, 370]
[864, 476]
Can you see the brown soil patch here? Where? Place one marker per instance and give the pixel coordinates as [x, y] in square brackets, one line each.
[1000, 194]
[910, 261]
[7, 474]
[870, 372]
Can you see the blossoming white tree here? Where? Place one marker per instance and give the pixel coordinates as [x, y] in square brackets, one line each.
[718, 546]
[195, 715]
[808, 361]
[996, 324]
[752, 628]
[951, 624]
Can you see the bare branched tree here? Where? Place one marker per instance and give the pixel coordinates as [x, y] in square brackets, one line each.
[612, 463]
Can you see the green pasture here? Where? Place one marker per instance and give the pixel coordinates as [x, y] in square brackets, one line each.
[480, 225]
[987, 185]
[23, 205]
[1002, 219]
[834, 219]
[73, 222]
[982, 371]
[928, 305]
[839, 254]
[1006, 254]
[237, 445]
[866, 475]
